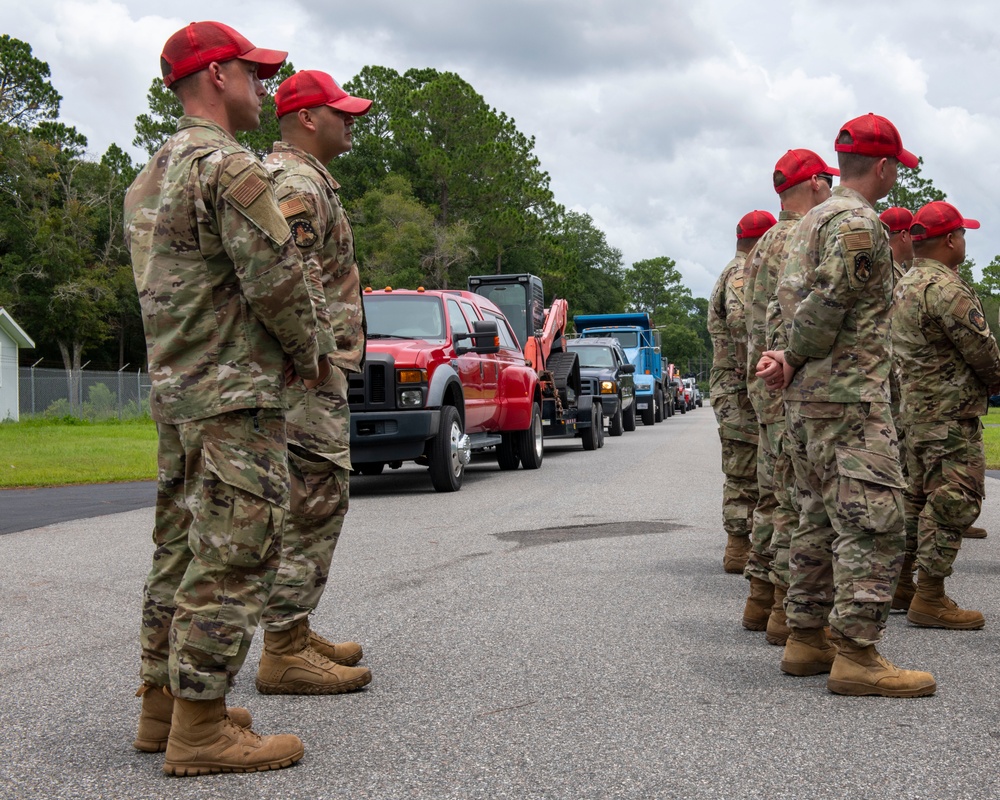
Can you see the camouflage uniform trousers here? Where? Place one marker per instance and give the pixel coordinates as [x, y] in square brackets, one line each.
[774, 517]
[847, 551]
[946, 465]
[738, 430]
[319, 462]
[785, 517]
[222, 497]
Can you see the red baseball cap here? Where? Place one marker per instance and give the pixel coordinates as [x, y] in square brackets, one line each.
[193, 48]
[310, 88]
[872, 135]
[937, 219]
[754, 224]
[798, 166]
[897, 218]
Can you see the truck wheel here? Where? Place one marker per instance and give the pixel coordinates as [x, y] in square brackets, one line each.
[657, 407]
[447, 462]
[591, 435]
[649, 413]
[600, 428]
[615, 423]
[507, 456]
[628, 418]
[529, 442]
[684, 408]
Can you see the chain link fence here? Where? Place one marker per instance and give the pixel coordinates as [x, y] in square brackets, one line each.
[87, 394]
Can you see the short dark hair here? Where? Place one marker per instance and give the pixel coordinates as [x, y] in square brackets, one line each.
[852, 165]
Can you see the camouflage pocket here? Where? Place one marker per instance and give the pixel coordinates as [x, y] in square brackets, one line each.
[812, 410]
[211, 636]
[868, 490]
[316, 488]
[240, 514]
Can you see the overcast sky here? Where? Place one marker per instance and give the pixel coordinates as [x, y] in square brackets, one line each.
[660, 119]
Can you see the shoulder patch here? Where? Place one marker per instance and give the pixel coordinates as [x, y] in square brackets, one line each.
[863, 267]
[858, 240]
[963, 307]
[292, 206]
[303, 233]
[247, 190]
[977, 320]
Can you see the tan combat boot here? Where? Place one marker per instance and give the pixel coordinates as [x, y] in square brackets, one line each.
[758, 606]
[932, 608]
[157, 710]
[861, 670]
[204, 739]
[289, 665]
[807, 652]
[736, 555]
[346, 654]
[905, 589]
[777, 624]
[972, 532]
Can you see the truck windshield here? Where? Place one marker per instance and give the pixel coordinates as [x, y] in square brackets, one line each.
[626, 338]
[594, 356]
[404, 317]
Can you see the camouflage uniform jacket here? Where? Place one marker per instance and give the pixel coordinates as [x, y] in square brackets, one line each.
[307, 194]
[836, 294]
[220, 281]
[728, 330]
[764, 268]
[946, 353]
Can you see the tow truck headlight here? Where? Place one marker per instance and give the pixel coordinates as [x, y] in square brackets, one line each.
[609, 387]
[411, 398]
[411, 383]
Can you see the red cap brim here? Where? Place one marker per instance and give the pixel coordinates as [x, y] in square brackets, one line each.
[268, 61]
[355, 106]
[833, 171]
[907, 159]
[970, 223]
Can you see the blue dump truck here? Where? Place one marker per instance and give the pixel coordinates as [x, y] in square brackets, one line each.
[641, 343]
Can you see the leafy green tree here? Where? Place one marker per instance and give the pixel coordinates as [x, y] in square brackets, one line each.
[581, 266]
[990, 284]
[654, 285]
[26, 95]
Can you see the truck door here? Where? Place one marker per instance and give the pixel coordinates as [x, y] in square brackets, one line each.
[469, 367]
[488, 373]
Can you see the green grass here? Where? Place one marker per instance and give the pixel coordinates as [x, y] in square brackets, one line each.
[41, 452]
[991, 438]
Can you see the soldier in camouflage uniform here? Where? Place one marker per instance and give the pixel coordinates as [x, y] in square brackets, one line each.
[316, 120]
[737, 423]
[802, 180]
[897, 222]
[948, 363]
[846, 553]
[226, 308]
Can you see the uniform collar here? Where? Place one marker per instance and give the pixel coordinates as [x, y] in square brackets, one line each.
[785, 215]
[200, 122]
[311, 160]
[842, 191]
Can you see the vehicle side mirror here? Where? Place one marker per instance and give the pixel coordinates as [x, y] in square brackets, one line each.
[485, 338]
[628, 369]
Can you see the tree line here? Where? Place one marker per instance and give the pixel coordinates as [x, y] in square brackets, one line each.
[438, 186]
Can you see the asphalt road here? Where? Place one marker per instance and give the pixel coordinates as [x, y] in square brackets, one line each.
[564, 633]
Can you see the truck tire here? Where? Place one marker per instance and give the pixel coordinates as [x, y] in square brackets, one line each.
[446, 465]
[530, 442]
[649, 414]
[591, 435]
[615, 422]
[628, 418]
[507, 456]
[657, 406]
[600, 429]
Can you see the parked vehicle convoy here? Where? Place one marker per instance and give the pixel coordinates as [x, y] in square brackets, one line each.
[608, 376]
[541, 331]
[640, 341]
[690, 401]
[443, 376]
